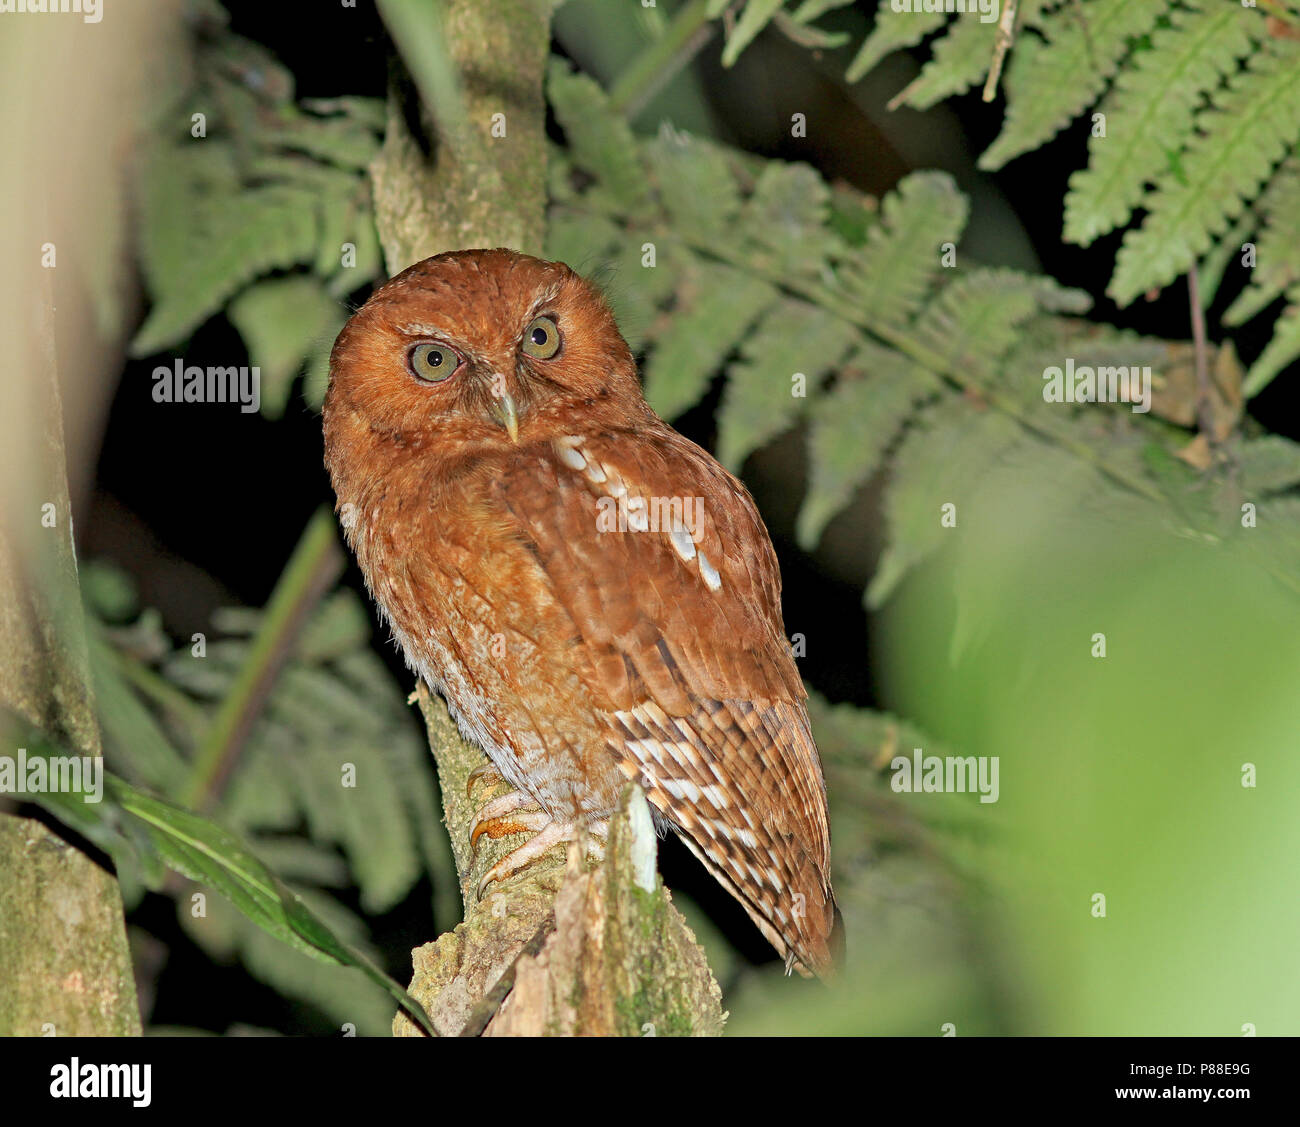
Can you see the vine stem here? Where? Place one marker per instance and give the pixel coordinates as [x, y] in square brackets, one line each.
[313, 568]
[647, 74]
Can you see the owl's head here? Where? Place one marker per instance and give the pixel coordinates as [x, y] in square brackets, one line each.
[474, 351]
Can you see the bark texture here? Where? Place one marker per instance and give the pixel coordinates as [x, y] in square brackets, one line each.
[609, 952]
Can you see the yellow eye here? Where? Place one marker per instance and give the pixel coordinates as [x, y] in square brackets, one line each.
[433, 362]
[542, 339]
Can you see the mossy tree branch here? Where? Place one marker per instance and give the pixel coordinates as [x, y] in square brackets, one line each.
[67, 969]
[619, 959]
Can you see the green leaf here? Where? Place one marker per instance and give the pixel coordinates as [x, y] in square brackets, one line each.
[757, 15]
[1152, 104]
[695, 183]
[850, 429]
[1281, 351]
[1049, 84]
[1270, 464]
[758, 403]
[893, 31]
[941, 461]
[600, 140]
[889, 277]
[1277, 265]
[960, 60]
[1236, 145]
[283, 321]
[205, 852]
[785, 219]
[717, 304]
[975, 320]
[203, 239]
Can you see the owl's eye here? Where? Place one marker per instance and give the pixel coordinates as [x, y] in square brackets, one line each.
[542, 339]
[432, 362]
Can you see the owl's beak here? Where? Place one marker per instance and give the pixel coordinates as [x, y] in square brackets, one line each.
[503, 408]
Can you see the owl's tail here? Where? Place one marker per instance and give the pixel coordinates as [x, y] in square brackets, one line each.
[802, 922]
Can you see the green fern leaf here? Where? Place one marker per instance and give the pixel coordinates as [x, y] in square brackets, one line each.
[283, 321]
[1281, 351]
[974, 321]
[889, 277]
[1270, 464]
[940, 462]
[757, 15]
[1236, 146]
[893, 31]
[695, 184]
[717, 304]
[600, 140]
[960, 60]
[1151, 108]
[759, 400]
[224, 242]
[1277, 264]
[1049, 84]
[785, 220]
[850, 429]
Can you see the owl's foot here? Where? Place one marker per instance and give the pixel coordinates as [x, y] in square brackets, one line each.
[549, 835]
[511, 813]
[487, 776]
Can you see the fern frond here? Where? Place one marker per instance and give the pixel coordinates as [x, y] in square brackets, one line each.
[1281, 351]
[757, 14]
[1239, 140]
[894, 31]
[760, 399]
[1050, 83]
[851, 428]
[1277, 263]
[716, 305]
[941, 460]
[600, 143]
[282, 321]
[695, 183]
[959, 60]
[1270, 464]
[975, 319]
[889, 277]
[785, 219]
[1149, 110]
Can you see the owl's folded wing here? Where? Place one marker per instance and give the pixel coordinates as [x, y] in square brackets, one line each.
[660, 559]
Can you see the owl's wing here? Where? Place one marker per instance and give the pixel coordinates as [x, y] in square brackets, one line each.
[660, 559]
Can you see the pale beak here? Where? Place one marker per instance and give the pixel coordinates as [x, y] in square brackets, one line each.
[507, 415]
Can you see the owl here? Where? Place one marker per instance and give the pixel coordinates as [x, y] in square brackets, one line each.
[595, 597]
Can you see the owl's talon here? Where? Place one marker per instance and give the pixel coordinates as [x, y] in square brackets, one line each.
[487, 774]
[522, 821]
[548, 836]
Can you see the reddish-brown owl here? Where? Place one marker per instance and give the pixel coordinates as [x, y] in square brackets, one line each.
[594, 595]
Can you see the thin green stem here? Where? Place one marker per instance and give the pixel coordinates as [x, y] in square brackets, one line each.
[312, 569]
[651, 70]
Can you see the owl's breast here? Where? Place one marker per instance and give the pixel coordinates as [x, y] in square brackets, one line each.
[472, 610]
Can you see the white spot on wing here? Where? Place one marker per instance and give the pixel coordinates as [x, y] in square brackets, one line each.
[682, 542]
[709, 573]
